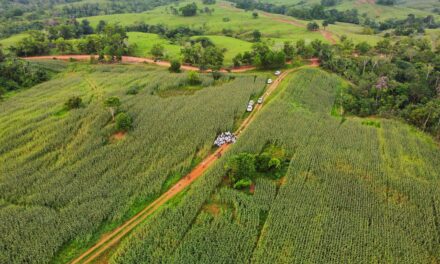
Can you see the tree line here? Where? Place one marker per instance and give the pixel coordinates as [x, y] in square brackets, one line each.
[399, 79]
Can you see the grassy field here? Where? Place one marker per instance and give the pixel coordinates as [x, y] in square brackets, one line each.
[145, 41]
[66, 173]
[7, 42]
[240, 22]
[350, 192]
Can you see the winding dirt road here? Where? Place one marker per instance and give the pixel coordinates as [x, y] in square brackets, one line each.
[131, 59]
[110, 240]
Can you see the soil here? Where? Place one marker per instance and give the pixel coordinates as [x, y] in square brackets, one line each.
[118, 136]
[252, 188]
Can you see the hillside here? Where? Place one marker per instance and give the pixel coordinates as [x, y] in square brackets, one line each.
[348, 185]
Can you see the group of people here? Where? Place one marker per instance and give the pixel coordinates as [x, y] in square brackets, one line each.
[225, 138]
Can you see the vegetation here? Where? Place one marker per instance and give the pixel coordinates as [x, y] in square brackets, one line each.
[102, 182]
[365, 189]
[74, 102]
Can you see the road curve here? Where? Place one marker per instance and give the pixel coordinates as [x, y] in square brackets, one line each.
[131, 59]
[116, 235]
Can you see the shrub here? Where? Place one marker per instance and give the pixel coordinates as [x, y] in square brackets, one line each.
[175, 66]
[123, 122]
[243, 183]
[73, 102]
[241, 166]
[194, 78]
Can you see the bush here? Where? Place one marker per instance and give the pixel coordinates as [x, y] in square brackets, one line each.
[243, 183]
[194, 78]
[175, 66]
[73, 102]
[241, 166]
[133, 90]
[123, 122]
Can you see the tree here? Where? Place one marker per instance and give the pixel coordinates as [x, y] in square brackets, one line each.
[189, 10]
[2, 55]
[123, 122]
[175, 66]
[100, 27]
[112, 103]
[212, 58]
[216, 75]
[325, 24]
[289, 50]
[157, 51]
[254, 15]
[237, 60]
[86, 29]
[241, 166]
[63, 46]
[194, 78]
[312, 26]
[243, 183]
[73, 102]
[256, 35]
[363, 48]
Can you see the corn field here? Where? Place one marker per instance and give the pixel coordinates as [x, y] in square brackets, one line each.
[352, 194]
[63, 179]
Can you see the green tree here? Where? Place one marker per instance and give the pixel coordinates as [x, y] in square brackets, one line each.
[255, 15]
[312, 26]
[157, 51]
[289, 50]
[363, 48]
[189, 10]
[256, 34]
[123, 122]
[112, 103]
[325, 24]
[101, 25]
[175, 66]
[194, 78]
[243, 183]
[2, 55]
[241, 166]
[73, 102]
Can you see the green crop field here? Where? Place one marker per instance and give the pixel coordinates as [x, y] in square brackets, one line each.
[63, 172]
[353, 193]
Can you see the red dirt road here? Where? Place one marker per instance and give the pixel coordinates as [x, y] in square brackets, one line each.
[111, 239]
[131, 59]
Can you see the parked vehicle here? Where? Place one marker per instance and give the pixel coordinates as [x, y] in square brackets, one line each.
[251, 102]
[260, 100]
[277, 73]
[250, 108]
[269, 81]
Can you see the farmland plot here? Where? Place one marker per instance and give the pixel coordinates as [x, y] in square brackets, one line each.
[64, 179]
[352, 194]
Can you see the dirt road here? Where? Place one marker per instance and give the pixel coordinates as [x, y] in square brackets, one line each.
[111, 239]
[131, 59]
